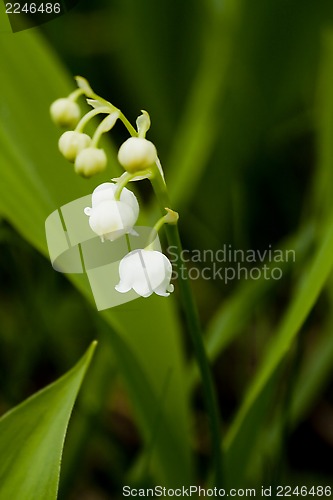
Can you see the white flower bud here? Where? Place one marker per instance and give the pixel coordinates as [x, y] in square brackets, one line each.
[90, 161]
[111, 219]
[137, 154]
[71, 143]
[65, 112]
[147, 272]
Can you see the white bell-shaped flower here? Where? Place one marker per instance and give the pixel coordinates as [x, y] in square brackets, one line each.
[110, 218]
[106, 192]
[147, 272]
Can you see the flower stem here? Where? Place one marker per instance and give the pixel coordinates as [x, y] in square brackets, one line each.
[73, 96]
[124, 180]
[98, 134]
[88, 116]
[122, 117]
[194, 328]
[191, 314]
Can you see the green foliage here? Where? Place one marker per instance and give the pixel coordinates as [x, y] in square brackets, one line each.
[250, 417]
[241, 101]
[32, 437]
[37, 176]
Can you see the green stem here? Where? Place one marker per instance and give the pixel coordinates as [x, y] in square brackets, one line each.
[160, 223]
[124, 180]
[73, 96]
[113, 108]
[88, 116]
[98, 134]
[194, 328]
[128, 125]
[190, 310]
[154, 232]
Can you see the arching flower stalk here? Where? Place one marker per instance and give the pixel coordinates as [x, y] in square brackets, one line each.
[115, 210]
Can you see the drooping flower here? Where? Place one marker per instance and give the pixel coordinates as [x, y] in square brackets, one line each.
[110, 218]
[147, 272]
[65, 112]
[90, 161]
[107, 191]
[72, 142]
[137, 154]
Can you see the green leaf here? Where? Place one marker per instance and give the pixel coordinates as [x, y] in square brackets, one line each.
[197, 133]
[156, 410]
[32, 437]
[317, 365]
[36, 180]
[247, 423]
[230, 318]
[309, 387]
[244, 428]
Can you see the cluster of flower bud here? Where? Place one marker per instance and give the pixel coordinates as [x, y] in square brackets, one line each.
[136, 154]
[76, 146]
[114, 209]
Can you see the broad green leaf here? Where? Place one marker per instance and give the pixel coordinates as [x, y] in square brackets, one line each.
[32, 437]
[36, 180]
[251, 414]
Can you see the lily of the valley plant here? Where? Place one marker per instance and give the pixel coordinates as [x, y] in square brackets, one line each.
[114, 211]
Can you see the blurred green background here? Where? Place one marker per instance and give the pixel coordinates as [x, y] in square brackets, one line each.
[240, 95]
